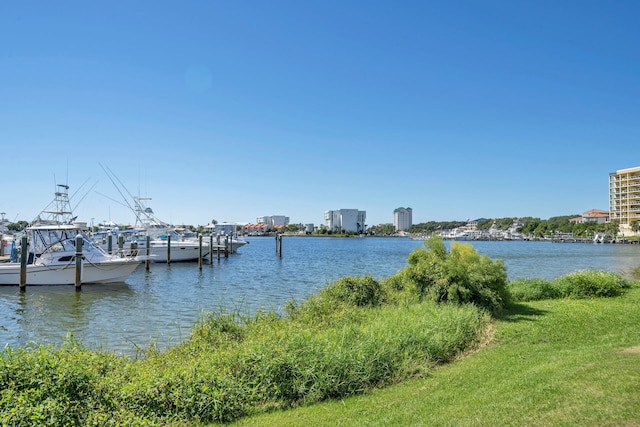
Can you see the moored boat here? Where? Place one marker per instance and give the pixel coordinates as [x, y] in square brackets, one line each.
[51, 253]
[51, 260]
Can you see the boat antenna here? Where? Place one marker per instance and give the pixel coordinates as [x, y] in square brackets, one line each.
[85, 194]
[119, 187]
[114, 200]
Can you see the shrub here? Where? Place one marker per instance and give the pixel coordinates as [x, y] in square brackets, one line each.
[579, 284]
[591, 283]
[357, 291]
[44, 385]
[459, 276]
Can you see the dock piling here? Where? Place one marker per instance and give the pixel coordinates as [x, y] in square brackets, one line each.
[147, 261]
[169, 249]
[78, 281]
[24, 253]
[211, 250]
[279, 244]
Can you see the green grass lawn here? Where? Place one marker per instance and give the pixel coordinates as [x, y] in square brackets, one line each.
[549, 363]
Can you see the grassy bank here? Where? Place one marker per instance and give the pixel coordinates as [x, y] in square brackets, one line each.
[547, 362]
[560, 362]
[355, 335]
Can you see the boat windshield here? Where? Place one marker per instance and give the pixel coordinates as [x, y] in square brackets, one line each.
[56, 240]
[52, 240]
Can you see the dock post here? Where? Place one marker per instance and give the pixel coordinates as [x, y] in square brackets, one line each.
[218, 246]
[24, 253]
[147, 261]
[110, 244]
[169, 249]
[227, 243]
[200, 251]
[211, 249]
[78, 263]
[279, 244]
[120, 244]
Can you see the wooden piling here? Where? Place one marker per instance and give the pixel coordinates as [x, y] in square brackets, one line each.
[110, 244]
[279, 245]
[147, 261]
[200, 251]
[211, 250]
[120, 244]
[218, 246]
[24, 253]
[78, 281]
[168, 248]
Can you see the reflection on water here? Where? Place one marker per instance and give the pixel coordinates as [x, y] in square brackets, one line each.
[160, 306]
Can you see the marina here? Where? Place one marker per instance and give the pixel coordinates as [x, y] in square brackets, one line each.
[160, 306]
[55, 249]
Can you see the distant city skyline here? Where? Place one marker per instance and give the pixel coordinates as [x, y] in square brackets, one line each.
[231, 110]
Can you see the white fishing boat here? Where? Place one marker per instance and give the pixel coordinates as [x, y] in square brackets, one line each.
[226, 233]
[51, 253]
[51, 259]
[165, 243]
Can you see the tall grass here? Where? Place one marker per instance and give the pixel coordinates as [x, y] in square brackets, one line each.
[563, 362]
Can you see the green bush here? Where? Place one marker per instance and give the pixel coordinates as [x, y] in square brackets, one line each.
[459, 276]
[358, 291]
[591, 283]
[579, 284]
[44, 385]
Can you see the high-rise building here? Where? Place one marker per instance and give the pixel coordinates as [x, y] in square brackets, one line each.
[624, 198]
[345, 220]
[402, 218]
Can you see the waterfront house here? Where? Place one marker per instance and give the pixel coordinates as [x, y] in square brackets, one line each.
[597, 216]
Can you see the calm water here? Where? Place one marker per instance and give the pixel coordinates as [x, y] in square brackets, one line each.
[161, 306]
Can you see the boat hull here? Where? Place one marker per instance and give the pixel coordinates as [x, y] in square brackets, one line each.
[106, 272]
[179, 252]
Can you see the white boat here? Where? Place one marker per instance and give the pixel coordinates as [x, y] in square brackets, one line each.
[51, 254]
[226, 233]
[182, 248]
[51, 259]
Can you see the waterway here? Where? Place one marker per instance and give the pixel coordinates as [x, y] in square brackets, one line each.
[159, 307]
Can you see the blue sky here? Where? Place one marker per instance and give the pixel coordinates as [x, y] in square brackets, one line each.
[230, 110]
